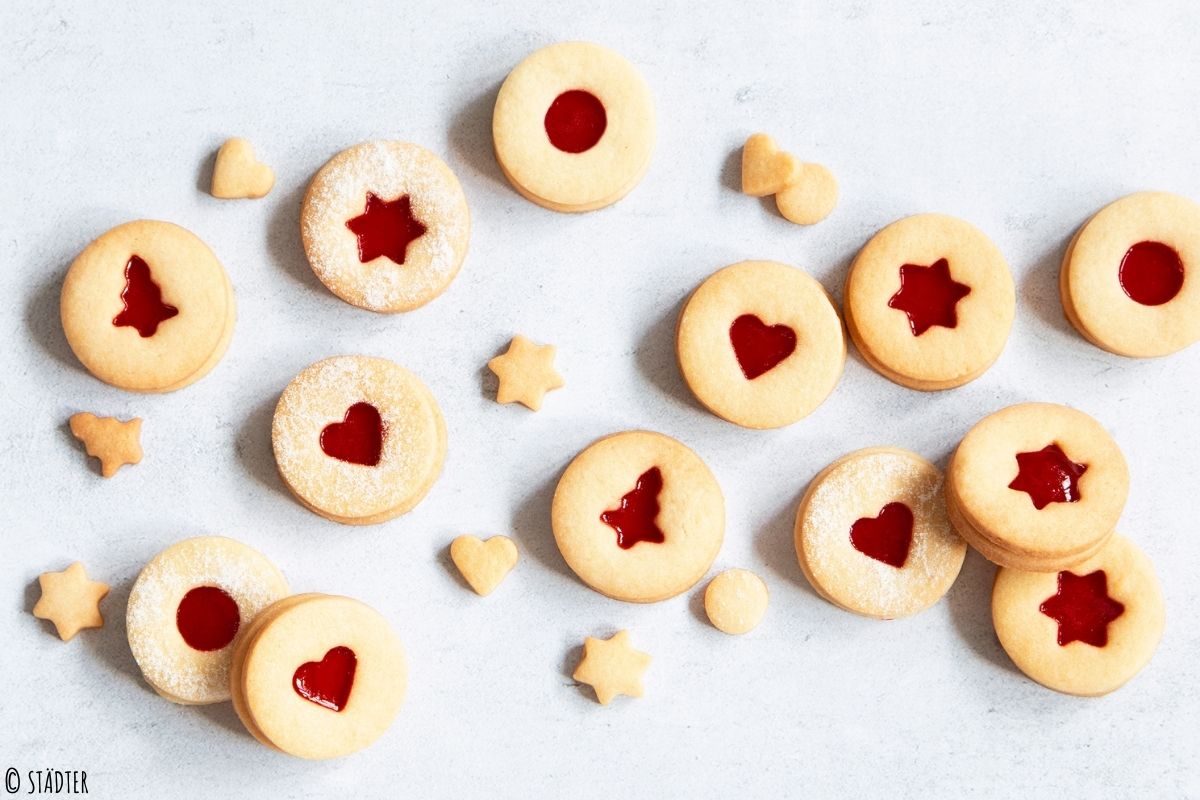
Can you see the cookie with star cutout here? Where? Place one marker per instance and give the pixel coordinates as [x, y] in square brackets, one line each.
[760, 344]
[358, 440]
[1086, 630]
[872, 534]
[1037, 486]
[385, 226]
[1129, 277]
[929, 302]
[638, 516]
[147, 307]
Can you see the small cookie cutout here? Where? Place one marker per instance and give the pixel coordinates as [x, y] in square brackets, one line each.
[238, 175]
[736, 601]
[526, 372]
[115, 442]
[612, 667]
[70, 600]
[766, 169]
[483, 564]
[804, 193]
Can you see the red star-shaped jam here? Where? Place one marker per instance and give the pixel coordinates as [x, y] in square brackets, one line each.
[634, 519]
[928, 295]
[1048, 476]
[1082, 608]
[144, 308]
[385, 228]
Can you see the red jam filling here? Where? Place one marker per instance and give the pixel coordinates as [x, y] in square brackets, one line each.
[1151, 273]
[327, 682]
[1082, 608]
[385, 228]
[575, 121]
[760, 347]
[1048, 476]
[885, 537]
[207, 618]
[634, 519]
[929, 296]
[144, 308]
[358, 438]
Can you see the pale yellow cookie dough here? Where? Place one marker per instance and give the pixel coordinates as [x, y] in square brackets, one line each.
[736, 601]
[238, 175]
[70, 600]
[483, 564]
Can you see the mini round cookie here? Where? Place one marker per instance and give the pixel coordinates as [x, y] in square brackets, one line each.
[188, 609]
[1042, 483]
[1086, 630]
[573, 127]
[385, 225]
[357, 439]
[760, 344]
[638, 516]
[1129, 280]
[930, 302]
[735, 601]
[147, 307]
[872, 535]
[322, 677]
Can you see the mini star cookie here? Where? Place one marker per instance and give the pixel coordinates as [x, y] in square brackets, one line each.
[70, 600]
[612, 667]
[114, 442]
[483, 564]
[526, 372]
[238, 175]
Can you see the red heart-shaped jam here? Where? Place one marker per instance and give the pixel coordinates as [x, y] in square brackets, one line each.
[357, 439]
[144, 309]
[327, 682]
[885, 537]
[575, 121]
[760, 347]
[634, 519]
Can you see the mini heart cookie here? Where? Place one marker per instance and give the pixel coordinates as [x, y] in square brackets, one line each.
[765, 168]
[810, 197]
[238, 175]
[483, 564]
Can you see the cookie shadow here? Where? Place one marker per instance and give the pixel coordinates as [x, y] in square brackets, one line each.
[204, 175]
[656, 360]
[447, 563]
[531, 528]
[970, 603]
[471, 135]
[775, 544]
[253, 447]
[111, 643]
[570, 662]
[43, 322]
[223, 715]
[696, 601]
[284, 242]
[489, 383]
[1039, 291]
[731, 171]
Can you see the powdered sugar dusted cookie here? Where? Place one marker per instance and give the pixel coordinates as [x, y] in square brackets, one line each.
[872, 534]
[385, 225]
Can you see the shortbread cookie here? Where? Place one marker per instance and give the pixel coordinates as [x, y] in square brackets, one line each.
[483, 564]
[1037, 486]
[810, 197]
[358, 440]
[612, 667]
[872, 535]
[385, 225]
[735, 601]
[319, 676]
[1129, 277]
[1086, 630]
[238, 175]
[760, 344]
[766, 169]
[929, 302]
[187, 609]
[70, 600]
[114, 442]
[573, 127]
[147, 307]
[638, 516]
[526, 372]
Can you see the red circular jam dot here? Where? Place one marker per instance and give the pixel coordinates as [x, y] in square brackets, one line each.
[358, 438]
[1048, 476]
[1151, 273]
[1082, 608]
[634, 519]
[386, 228]
[575, 121]
[327, 682]
[760, 347]
[144, 309]
[885, 537]
[207, 618]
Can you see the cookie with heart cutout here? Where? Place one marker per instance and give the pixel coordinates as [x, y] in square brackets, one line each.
[872, 534]
[319, 676]
[638, 516]
[187, 609]
[760, 344]
[358, 440]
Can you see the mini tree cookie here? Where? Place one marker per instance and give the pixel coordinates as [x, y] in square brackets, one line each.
[70, 600]
[612, 667]
[736, 601]
[237, 174]
[114, 442]
[526, 372]
[483, 564]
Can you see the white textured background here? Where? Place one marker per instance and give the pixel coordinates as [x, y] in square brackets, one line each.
[1023, 118]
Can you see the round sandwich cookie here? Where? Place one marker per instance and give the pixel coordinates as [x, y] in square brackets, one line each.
[930, 302]
[1085, 630]
[318, 676]
[188, 609]
[1037, 486]
[357, 439]
[147, 307]
[385, 225]
[872, 535]
[1130, 279]
[760, 344]
[638, 516]
[573, 127]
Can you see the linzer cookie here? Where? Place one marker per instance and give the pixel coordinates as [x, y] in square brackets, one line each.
[872, 535]
[1037, 487]
[147, 307]
[573, 127]
[929, 302]
[1129, 282]
[358, 440]
[638, 516]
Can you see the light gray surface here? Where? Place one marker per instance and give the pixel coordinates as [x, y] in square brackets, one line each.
[1023, 119]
